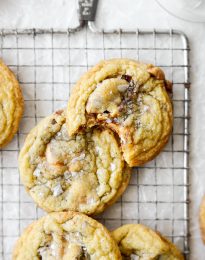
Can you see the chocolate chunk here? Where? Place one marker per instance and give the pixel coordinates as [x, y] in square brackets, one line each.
[106, 112]
[53, 122]
[127, 78]
[83, 254]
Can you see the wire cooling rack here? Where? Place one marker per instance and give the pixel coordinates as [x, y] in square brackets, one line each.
[47, 64]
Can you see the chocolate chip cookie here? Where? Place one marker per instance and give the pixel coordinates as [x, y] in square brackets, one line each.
[85, 172]
[128, 97]
[66, 235]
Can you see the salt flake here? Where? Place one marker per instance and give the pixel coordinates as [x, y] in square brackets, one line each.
[37, 172]
[122, 88]
[108, 121]
[91, 200]
[57, 190]
[98, 150]
[112, 167]
[146, 108]
[79, 158]
[134, 257]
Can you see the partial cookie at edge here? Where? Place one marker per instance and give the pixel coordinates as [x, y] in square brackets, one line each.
[11, 104]
[136, 240]
[66, 235]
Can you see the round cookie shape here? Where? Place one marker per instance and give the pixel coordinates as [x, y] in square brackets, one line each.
[202, 219]
[66, 235]
[84, 173]
[11, 104]
[131, 99]
[137, 241]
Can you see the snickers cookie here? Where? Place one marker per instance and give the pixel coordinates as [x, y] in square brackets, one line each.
[11, 104]
[68, 236]
[140, 242]
[131, 99]
[85, 172]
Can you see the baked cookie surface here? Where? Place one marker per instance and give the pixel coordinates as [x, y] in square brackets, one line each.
[11, 104]
[85, 172]
[128, 97]
[137, 241]
[202, 219]
[68, 236]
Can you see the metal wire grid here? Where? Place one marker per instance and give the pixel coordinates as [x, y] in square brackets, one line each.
[47, 64]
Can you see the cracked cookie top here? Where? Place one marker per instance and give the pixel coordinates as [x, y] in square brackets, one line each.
[66, 236]
[85, 172]
[131, 99]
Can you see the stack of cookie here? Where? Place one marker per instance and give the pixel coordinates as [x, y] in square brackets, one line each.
[77, 162]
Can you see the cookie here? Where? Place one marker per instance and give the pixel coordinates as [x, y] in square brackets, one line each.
[85, 172]
[202, 219]
[137, 241]
[66, 235]
[131, 99]
[11, 104]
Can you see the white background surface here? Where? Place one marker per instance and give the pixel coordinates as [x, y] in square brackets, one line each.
[133, 14]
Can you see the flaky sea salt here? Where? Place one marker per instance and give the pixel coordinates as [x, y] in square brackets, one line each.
[100, 171]
[57, 190]
[42, 251]
[41, 194]
[74, 237]
[98, 150]
[37, 172]
[123, 141]
[108, 121]
[91, 201]
[122, 88]
[69, 176]
[134, 257]
[112, 167]
[54, 248]
[59, 134]
[79, 158]
[145, 108]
